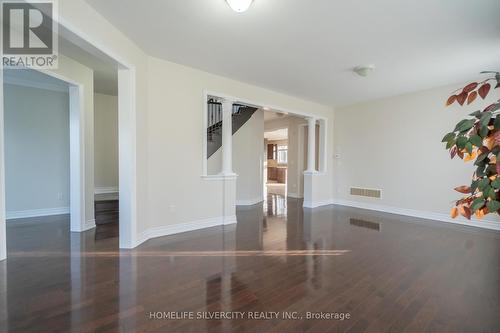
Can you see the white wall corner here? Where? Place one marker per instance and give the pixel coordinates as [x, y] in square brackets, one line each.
[173, 229]
[230, 220]
[89, 224]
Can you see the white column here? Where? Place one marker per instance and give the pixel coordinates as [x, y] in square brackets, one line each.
[311, 145]
[227, 138]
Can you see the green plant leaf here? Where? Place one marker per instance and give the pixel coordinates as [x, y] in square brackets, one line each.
[476, 140]
[497, 122]
[480, 159]
[496, 183]
[480, 171]
[491, 193]
[485, 119]
[477, 204]
[468, 147]
[450, 144]
[483, 132]
[493, 206]
[473, 186]
[448, 137]
[483, 183]
[461, 142]
[476, 114]
[491, 170]
[486, 192]
[464, 125]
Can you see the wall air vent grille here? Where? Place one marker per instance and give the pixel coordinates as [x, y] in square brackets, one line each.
[365, 224]
[366, 192]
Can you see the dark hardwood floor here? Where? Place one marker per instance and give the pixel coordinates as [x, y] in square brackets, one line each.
[388, 273]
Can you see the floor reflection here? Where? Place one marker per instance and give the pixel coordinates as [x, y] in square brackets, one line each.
[278, 257]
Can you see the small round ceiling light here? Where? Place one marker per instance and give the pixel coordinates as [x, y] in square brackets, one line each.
[364, 70]
[239, 6]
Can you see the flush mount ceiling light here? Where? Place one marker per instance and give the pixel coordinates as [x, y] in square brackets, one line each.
[239, 6]
[363, 70]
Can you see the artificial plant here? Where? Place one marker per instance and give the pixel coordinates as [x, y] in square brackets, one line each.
[477, 139]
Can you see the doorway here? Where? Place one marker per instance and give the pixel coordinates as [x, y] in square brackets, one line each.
[84, 191]
[276, 162]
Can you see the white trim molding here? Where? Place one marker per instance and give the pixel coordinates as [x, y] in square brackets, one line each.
[315, 204]
[106, 190]
[17, 81]
[249, 202]
[220, 176]
[21, 214]
[173, 229]
[484, 223]
[90, 224]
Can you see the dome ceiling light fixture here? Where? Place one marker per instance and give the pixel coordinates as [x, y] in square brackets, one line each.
[239, 6]
[363, 70]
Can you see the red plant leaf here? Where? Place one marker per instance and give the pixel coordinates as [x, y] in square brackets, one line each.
[498, 167]
[453, 152]
[466, 212]
[496, 136]
[489, 107]
[471, 86]
[461, 98]
[484, 90]
[451, 100]
[472, 97]
[460, 153]
[463, 189]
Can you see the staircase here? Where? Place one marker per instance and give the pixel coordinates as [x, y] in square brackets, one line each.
[240, 115]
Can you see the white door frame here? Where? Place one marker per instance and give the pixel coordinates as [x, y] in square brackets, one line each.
[127, 149]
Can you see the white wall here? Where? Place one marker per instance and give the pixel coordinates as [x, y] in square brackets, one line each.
[176, 139]
[394, 144]
[105, 142]
[167, 110]
[247, 160]
[36, 150]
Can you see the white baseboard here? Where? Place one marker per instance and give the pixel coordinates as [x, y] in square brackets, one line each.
[21, 214]
[250, 202]
[90, 224]
[106, 190]
[183, 227]
[318, 203]
[484, 223]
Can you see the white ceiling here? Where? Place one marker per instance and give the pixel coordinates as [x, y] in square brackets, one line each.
[271, 115]
[280, 134]
[308, 48]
